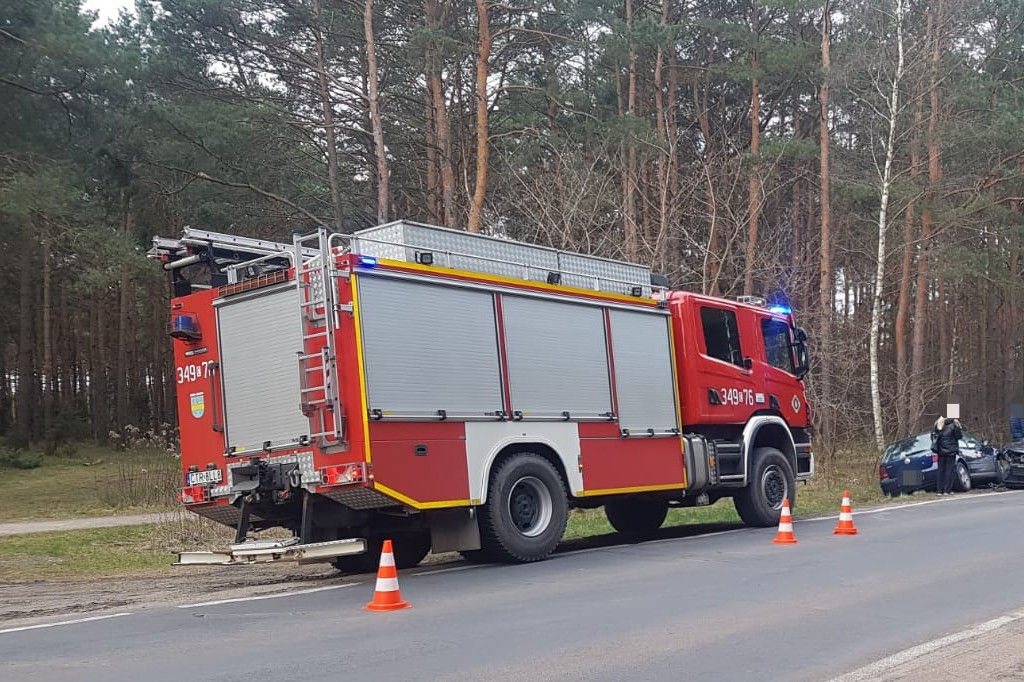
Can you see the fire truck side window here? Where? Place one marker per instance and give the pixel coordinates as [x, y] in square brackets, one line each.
[776, 345]
[721, 335]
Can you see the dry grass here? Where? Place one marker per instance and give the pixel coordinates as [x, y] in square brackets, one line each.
[105, 552]
[90, 481]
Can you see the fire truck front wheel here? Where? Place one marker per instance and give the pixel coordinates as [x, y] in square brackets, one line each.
[526, 510]
[770, 482]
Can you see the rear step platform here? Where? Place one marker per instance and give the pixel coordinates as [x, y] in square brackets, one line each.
[265, 551]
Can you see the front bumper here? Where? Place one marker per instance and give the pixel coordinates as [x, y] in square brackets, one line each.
[1015, 477]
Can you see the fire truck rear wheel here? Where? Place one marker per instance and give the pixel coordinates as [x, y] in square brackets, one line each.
[637, 517]
[526, 510]
[409, 548]
[771, 481]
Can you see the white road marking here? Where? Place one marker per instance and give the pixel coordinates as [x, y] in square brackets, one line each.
[63, 622]
[896, 507]
[874, 670]
[276, 595]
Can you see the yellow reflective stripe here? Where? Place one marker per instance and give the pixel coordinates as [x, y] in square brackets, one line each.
[634, 489]
[678, 399]
[361, 366]
[390, 492]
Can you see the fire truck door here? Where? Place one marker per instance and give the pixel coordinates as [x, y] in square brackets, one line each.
[782, 387]
[728, 393]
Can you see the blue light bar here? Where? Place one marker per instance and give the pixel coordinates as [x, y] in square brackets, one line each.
[368, 261]
[780, 310]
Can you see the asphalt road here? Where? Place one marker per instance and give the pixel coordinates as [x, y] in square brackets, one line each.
[729, 606]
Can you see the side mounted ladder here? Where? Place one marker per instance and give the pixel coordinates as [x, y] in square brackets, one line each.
[318, 361]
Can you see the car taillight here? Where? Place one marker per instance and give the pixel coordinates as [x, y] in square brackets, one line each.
[343, 474]
[195, 494]
[935, 458]
[883, 473]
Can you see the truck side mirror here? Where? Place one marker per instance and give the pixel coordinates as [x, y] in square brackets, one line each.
[747, 363]
[802, 363]
[799, 334]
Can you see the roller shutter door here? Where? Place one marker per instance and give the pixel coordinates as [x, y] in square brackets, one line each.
[259, 343]
[557, 358]
[643, 371]
[429, 347]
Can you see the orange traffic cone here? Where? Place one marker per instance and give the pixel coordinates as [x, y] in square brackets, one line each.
[845, 526]
[785, 534]
[386, 596]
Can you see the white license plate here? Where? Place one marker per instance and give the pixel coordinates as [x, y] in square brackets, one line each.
[204, 477]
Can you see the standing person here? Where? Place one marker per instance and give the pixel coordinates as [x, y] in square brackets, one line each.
[946, 439]
[1016, 425]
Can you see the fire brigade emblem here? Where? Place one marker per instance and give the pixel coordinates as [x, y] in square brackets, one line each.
[796, 403]
[198, 404]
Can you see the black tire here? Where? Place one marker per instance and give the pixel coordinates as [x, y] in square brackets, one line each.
[409, 548]
[636, 517]
[1002, 471]
[526, 511]
[962, 479]
[476, 556]
[366, 562]
[771, 480]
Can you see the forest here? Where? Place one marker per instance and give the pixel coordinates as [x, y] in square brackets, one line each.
[863, 161]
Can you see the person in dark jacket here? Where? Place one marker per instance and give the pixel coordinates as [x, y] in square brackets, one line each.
[1017, 429]
[946, 435]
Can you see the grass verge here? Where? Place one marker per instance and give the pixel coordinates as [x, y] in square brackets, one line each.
[92, 481]
[106, 552]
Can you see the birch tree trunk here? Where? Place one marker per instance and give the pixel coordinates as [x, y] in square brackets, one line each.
[883, 217]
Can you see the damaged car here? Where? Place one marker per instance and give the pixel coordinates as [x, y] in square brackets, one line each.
[910, 465]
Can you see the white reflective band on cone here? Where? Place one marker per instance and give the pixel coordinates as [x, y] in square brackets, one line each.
[845, 516]
[786, 527]
[387, 584]
[387, 559]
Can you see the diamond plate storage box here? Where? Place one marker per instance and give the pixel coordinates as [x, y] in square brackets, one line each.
[407, 241]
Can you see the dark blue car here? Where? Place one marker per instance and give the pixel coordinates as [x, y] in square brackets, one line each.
[910, 465]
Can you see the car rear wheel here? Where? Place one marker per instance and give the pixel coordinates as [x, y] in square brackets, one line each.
[962, 482]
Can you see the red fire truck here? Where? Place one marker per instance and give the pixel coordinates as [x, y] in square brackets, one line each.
[459, 392]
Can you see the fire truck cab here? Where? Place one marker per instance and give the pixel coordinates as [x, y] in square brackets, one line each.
[457, 392]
